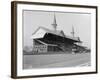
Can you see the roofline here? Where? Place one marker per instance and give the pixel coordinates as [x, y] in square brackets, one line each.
[46, 43]
[50, 32]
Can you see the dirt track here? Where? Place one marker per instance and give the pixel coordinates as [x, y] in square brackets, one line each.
[56, 60]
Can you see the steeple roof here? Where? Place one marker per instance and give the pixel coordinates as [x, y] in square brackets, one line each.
[54, 24]
[73, 33]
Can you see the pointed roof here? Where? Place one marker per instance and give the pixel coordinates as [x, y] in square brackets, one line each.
[54, 21]
[41, 31]
[73, 33]
[44, 30]
[54, 24]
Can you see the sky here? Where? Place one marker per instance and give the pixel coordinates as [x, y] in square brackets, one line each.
[65, 20]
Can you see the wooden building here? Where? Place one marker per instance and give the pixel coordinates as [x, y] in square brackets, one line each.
[46, 40]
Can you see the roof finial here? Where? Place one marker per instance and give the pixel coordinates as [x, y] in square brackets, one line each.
[54, 23]
[73, 33]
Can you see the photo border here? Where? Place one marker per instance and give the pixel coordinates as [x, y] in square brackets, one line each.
[14, 37]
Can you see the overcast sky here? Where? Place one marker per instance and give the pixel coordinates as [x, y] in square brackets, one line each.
[80, 21]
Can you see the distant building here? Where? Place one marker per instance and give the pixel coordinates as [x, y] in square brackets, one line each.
[46, 40]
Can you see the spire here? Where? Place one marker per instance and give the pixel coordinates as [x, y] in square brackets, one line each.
[54, 24]
[73, 33]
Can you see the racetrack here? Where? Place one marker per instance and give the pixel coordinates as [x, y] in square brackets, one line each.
[56, 60]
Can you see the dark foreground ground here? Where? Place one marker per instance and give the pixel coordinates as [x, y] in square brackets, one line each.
[56, 60]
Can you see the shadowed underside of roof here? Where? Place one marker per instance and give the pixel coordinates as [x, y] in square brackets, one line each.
[41, 31]
[44, 42]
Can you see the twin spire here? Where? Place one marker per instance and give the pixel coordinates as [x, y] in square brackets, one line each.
[73, 33]
[54, 24]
